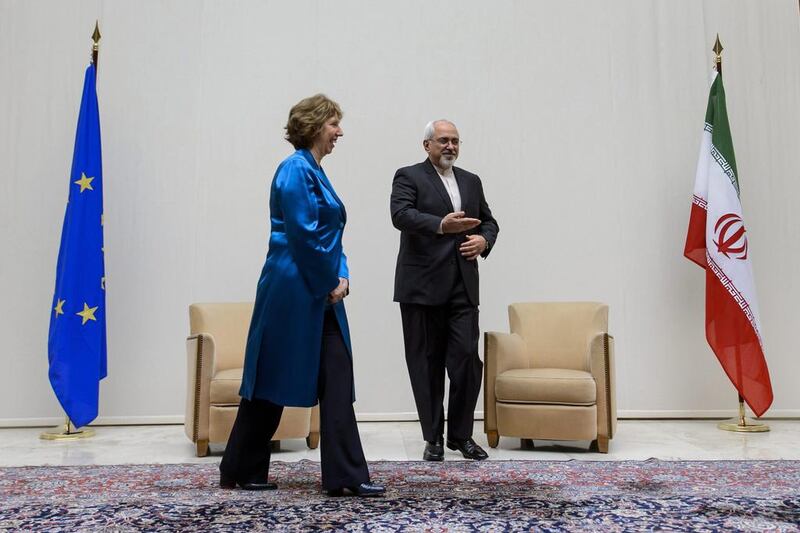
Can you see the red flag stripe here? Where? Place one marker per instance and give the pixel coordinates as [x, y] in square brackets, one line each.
[731, 333]
[695, 249]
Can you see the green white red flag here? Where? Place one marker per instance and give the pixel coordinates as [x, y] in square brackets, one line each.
[717, 241]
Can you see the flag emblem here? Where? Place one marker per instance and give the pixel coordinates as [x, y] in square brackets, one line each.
[731, 239]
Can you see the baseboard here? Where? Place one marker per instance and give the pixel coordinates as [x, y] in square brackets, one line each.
[621, 415]
[712, 413]
[99, 421]
[406, 416]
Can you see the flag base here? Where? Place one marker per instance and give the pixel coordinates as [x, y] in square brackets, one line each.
[743, 425]
[67, 432]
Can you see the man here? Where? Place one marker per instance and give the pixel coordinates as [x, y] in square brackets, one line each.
[445, 224]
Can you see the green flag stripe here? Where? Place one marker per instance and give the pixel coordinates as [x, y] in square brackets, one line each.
[725, 167]
[721, 141]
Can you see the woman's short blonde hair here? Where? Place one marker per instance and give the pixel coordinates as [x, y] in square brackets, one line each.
[307, 117]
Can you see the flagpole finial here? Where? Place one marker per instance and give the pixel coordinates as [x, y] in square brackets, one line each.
[718, 55]
[96, 38]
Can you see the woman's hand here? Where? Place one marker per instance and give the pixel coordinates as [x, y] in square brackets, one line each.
[338, 294]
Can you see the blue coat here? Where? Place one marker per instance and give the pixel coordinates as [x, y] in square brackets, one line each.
[304, 263]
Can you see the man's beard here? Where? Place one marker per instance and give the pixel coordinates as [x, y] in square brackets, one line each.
[446, 161]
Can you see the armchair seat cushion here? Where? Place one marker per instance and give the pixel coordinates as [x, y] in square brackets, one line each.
[224, 387]
[558, 386]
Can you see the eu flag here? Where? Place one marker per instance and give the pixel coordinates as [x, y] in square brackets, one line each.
[77, 341]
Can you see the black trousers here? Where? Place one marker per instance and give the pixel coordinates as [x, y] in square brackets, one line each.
[441, 338]
[343, 464]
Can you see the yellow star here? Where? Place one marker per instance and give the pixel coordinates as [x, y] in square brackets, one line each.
[59, 308]
[87, 313]
[84, 182]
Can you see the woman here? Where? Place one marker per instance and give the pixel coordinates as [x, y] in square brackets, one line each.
[298, 348]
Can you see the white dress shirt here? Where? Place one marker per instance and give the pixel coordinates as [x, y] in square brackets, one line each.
[451, 186]
[449, 181]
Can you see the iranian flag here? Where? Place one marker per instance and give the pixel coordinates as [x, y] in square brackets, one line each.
[717, 241]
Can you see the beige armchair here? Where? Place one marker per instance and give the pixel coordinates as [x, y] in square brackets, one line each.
[215, 360]
[552, 377]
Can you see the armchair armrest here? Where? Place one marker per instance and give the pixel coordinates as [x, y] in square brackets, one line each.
[199, 369]
[502, 351]
[602, 361]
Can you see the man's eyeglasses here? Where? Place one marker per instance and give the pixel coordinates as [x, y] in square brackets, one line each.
[444, 141]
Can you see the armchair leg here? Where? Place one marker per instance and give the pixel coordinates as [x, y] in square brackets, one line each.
[600, 444]
[526, 444]
[312, 441]
[274, 446]
[493, 438]
[201, 448]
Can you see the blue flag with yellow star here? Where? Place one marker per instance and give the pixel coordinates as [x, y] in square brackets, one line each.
[77, 342]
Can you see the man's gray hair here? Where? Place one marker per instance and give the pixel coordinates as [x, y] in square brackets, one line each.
[429, 128]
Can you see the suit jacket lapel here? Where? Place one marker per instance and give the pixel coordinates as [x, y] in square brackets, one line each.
[438, 185]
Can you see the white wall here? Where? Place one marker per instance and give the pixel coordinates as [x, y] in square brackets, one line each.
[583, 119]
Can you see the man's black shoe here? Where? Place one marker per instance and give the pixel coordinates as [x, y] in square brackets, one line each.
[229, 483]
[434, 451]
[468, 449]
[365, 490]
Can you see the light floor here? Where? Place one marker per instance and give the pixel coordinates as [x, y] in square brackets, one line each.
[402, 441]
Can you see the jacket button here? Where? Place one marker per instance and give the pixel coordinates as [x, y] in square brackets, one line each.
[341, 225]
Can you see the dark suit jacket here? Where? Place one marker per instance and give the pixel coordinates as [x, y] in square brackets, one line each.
[428, 263]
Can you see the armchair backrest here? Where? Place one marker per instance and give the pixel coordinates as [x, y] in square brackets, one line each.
[228, 323]
[557, 334]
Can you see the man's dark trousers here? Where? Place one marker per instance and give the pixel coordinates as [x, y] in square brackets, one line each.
[439, 337]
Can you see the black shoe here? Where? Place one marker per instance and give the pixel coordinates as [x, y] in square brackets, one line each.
[229, 483]
[468, 449]
[365, 490]
[434, 451]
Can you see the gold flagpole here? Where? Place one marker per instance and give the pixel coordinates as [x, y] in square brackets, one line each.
[68, 431]
[740, 424]
[96, 38]
[718, 55]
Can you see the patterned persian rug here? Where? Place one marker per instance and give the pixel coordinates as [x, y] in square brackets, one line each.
[436, 497]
